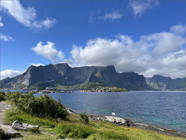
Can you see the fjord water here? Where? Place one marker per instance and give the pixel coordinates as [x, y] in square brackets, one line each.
[163, 109]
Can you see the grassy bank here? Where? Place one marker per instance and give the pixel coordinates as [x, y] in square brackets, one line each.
[67, 125]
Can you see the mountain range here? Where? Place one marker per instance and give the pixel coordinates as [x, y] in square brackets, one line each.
[63, 75]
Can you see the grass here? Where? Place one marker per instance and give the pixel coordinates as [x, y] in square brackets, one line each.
[38, 137]
[75, 129]
[135, 133]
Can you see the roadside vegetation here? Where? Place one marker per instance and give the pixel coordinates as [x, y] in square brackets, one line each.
[56, 122]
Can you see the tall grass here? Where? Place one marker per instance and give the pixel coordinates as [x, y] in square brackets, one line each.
[77, 130]
[15, 114]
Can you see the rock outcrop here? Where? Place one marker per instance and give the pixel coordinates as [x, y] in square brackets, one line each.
[17, 125]
[113, 119]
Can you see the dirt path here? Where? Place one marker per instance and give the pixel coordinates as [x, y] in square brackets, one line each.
[7, 128]
[3, 107]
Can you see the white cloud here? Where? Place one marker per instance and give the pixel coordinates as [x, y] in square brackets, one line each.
[95, 17]
[5, 37]
[37, 64]
[26, 16]
[113, 15]
[158, 53]
[47, 23]
[2, 36]
[48, 51]
[172, 64]
[179, 29]
[140, 6]
[1, 23]
[9, 73]
[163, 42]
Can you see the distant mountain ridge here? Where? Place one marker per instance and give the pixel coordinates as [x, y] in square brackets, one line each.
[159, 82]
[64, 75]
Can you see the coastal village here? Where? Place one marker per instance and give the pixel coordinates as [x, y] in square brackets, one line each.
[50, 90]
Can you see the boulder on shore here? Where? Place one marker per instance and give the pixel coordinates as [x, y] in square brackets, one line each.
[113, 119]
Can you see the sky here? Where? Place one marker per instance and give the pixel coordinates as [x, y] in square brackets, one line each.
[144, 36]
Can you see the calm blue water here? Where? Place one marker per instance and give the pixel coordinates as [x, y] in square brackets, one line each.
[164, 109]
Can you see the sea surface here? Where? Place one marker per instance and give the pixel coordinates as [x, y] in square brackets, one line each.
[163, 109]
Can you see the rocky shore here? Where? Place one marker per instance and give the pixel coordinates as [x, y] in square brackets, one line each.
[129, 123]
[126, 122]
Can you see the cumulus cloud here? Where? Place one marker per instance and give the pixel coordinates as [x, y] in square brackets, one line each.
[158, 53]
[140, 6]
[163, 43]
[48, 51]
[113, 15]
[25, 16]
[9, 73]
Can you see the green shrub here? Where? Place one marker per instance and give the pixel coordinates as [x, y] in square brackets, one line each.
[84, 118]
[42, 106]
[2, 96]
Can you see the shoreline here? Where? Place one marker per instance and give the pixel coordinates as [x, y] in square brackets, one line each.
[128, 123]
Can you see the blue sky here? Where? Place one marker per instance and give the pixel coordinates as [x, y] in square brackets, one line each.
[144, 36]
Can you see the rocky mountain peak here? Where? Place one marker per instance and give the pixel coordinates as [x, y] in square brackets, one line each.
[64, 75]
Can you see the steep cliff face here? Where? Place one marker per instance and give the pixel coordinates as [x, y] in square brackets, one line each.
[158, 82]
[166, 83]
[134, 81]
[63, 74]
